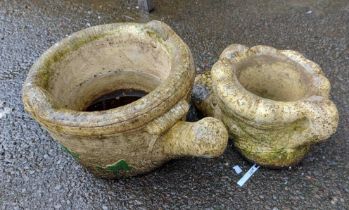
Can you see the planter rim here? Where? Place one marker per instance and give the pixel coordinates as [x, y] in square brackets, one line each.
[232, 93]
[40, 103]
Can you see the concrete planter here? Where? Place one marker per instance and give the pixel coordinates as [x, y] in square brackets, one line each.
[275, 103]
[130, 139]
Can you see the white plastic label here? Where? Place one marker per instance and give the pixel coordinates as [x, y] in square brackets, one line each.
[248, 175]
[237, 169]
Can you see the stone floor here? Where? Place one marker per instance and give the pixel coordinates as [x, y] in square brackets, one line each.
[36, 174]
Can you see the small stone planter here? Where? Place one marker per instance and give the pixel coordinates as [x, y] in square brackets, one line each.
[275, 103]
[130, 139]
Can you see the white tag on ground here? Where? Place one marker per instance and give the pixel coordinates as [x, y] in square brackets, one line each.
[4, 111]
[248, 175]
[237, 169]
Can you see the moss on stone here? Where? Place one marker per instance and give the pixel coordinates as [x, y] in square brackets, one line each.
[60, 54]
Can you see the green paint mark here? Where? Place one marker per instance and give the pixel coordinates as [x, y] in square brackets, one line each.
[74, 154]
[118, 167]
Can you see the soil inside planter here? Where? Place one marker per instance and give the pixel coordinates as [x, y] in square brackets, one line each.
[115, 99]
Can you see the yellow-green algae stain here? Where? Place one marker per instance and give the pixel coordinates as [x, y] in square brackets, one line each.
[60, 54]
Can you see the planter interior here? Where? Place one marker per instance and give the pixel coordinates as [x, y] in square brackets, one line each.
[274, 78]
[106, 65]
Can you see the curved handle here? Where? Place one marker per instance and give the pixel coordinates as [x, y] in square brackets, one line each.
[323, 118]
[205, 138]
[166, 121]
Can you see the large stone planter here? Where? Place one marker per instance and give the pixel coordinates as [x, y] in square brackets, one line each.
[134, 138]
[275, 103]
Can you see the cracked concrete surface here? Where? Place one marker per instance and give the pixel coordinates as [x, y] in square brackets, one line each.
[36, 174]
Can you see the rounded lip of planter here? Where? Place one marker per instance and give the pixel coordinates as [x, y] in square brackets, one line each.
[225, 81]
[40, 103]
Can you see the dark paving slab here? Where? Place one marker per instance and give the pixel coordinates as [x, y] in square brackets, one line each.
[36, 174]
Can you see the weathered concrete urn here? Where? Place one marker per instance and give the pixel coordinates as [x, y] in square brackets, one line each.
[130, 139]
[275, 103]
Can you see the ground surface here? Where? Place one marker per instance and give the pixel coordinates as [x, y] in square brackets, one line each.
[36, 174]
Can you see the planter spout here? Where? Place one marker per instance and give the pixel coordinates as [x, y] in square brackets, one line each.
[205, 138]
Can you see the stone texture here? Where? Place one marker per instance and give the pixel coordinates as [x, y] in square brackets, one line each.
[28, 180]
[131, 139]
[275, 103]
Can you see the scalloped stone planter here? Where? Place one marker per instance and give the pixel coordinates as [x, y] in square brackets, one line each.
[275, 103]
[130, 139]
